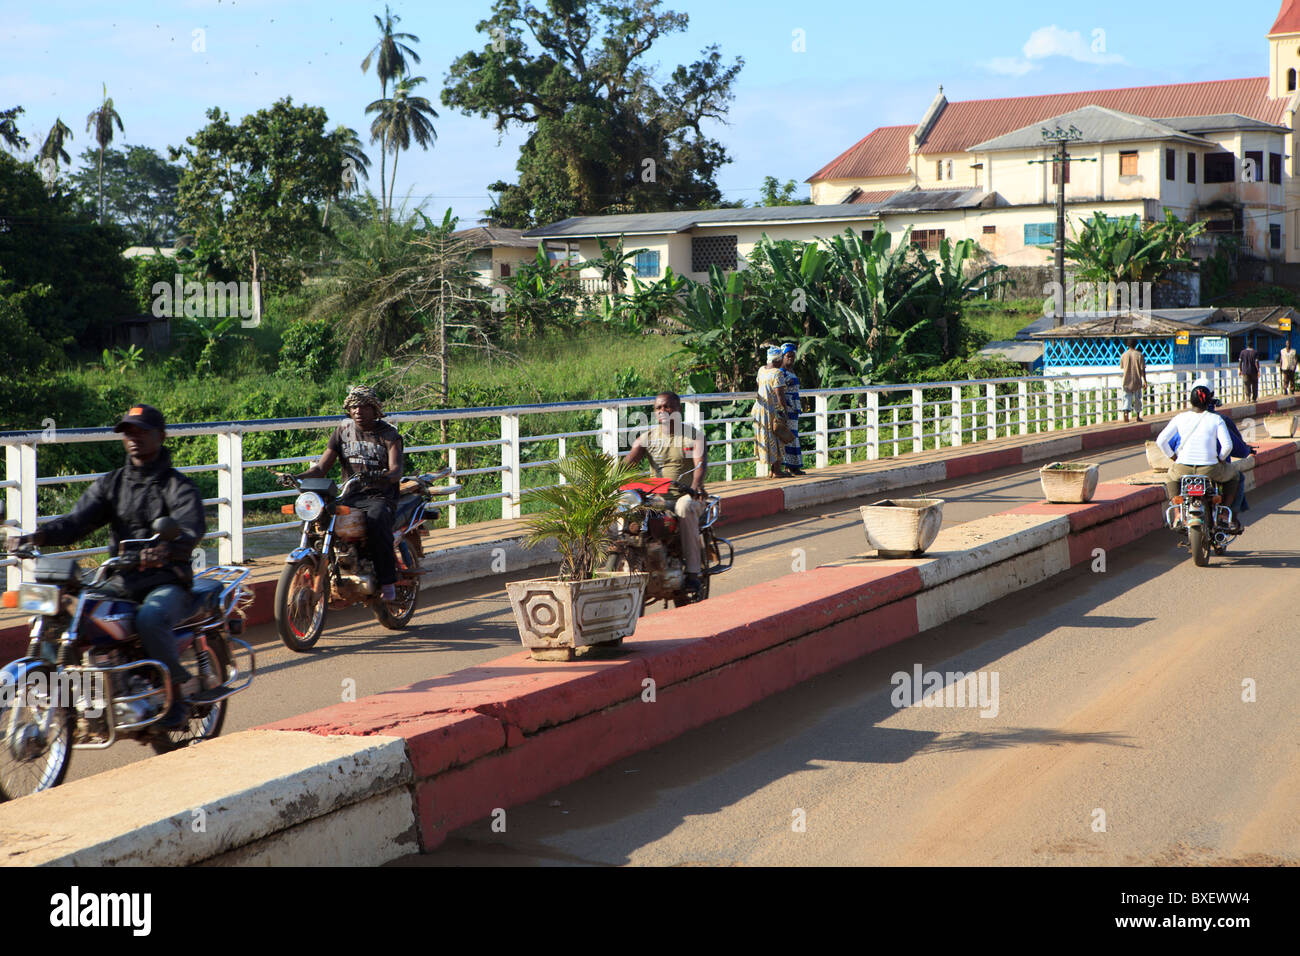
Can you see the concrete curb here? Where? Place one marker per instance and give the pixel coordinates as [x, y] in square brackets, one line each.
[356, 782]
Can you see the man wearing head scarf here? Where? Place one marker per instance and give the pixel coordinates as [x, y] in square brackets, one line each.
[370, 449]
[793, 455]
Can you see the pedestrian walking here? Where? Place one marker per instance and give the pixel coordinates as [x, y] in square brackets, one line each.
[771, 421]
[1248, 365]
[1133, 366]
[793, 457]
[1287, 359]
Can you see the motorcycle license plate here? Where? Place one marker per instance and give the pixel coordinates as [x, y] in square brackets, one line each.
[1194, 488]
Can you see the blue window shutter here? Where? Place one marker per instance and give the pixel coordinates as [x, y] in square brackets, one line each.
[647, 263]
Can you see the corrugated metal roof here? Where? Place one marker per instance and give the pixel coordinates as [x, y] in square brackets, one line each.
[484, 237]
[884, 151]
[1113, 326]
[857, 197]
[1264, 315]
[973, 121]
[1220, 122]
[928, 200]
[1097, 124]
[1231, 328]
[1288, 19]
[658, 223]
[1025, 352]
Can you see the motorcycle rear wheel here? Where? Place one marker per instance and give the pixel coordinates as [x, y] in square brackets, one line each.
[395, 615]
[1200, 543]
[300, 602]
[205, 720]
[29, 763]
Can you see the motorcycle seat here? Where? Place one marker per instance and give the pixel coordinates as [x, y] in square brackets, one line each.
[205, 601]
[406, 506]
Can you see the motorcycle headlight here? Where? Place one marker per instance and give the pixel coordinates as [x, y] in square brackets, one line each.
[38, 598]
[309, 506]
[629, 500]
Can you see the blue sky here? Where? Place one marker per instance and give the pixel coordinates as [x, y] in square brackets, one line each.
[863, 64]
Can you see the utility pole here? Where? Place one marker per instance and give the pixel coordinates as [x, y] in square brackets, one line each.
[1062, 163]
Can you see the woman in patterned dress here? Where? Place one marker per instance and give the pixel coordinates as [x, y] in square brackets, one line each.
[768, 410]
[792, 457]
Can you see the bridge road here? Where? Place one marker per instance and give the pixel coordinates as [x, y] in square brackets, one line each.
[1119, 692]
[470, 623]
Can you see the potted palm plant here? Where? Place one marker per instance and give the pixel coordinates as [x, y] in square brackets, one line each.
[583, 607]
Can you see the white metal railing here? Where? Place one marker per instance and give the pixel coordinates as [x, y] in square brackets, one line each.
[872, 421]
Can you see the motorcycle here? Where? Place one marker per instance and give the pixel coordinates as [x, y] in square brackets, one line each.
[646, 539]
[1198, 514]
[331, 567]
[87, 682]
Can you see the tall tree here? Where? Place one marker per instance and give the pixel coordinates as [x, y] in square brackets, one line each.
[356, 164]
[102, 119]
[389, 55]
[401, 119]
[139, 189]
[250, 193]
[605, 133]
[52, 149]
[10, 138]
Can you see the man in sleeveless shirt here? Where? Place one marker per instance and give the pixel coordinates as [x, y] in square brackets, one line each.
[676, 450]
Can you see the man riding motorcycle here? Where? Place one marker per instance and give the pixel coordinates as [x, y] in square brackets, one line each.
[129, 500]
[372, 448]
[1204, 446]
[668, 445]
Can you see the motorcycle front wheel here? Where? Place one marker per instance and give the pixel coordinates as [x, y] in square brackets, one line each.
[32, 759]
[1199, 542]
[205, 720]
[300, 600]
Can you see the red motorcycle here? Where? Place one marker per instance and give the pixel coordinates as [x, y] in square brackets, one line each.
[646, 539]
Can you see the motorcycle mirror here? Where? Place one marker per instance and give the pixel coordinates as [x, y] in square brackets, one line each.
[167, 528]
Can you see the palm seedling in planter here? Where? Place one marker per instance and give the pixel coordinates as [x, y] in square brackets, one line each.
[555, 616]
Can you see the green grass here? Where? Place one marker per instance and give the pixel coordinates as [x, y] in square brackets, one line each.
[1002, 320]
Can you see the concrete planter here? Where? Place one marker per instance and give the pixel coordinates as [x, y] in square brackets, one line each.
[1069, 482]
[1281, 426]
[902, 527]
[555, 618]
[1157, 459]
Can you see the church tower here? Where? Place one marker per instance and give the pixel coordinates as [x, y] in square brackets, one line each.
[1284, 52]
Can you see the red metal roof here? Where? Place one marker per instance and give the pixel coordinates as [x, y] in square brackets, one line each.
[961, 125]
[1288, 19]
[878, 196]
[883, 152]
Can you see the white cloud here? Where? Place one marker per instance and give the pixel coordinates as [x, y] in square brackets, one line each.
[1050, 41]
[1053, 41]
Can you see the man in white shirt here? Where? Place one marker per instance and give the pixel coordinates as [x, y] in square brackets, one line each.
[1204, 446]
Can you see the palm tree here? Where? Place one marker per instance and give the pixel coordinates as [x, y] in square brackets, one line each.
[53, 149]
[354, 159]
[389, 64]
[10, 138]
[401, 119]
[103, 119]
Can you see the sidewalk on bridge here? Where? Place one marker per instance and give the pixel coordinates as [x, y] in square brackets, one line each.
[489, 547]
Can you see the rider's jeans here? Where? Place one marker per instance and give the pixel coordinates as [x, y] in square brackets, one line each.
[380, 515]
[688, 526]
[163, 608]
[1223, 472]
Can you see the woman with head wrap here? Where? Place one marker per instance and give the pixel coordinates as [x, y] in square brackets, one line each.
[793, 452]
[771, 421]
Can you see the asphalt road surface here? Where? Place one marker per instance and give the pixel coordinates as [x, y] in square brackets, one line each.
[1146, 715]
[465, 624]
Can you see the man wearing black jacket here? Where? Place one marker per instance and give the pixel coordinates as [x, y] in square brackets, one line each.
[129, 500]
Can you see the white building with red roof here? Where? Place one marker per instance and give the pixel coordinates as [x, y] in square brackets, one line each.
[1222, 151]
